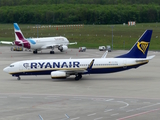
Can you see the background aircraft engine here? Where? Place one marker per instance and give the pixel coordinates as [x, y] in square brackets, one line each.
[63, 48]
[58, 75]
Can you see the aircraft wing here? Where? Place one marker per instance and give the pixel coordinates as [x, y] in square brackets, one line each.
[5, 42]
[80, 70]
[74, 71]
[55, 45]
[72, 43]
[49, 46]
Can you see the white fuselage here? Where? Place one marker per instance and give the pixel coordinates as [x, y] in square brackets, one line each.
[47, 42]
[100, 65]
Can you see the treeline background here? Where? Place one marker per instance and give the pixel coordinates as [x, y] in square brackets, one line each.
[79, 11]
[102, 2]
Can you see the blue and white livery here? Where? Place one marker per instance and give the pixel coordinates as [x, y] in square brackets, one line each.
[63, 68]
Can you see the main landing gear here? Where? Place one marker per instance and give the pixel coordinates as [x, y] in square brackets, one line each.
[51, 52]
[78, 76]
[18, 78]
[35, 52]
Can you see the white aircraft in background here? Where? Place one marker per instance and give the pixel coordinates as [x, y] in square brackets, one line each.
[37, 44]
[63, 68]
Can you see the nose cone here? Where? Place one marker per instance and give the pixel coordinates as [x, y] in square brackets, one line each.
[6, 70]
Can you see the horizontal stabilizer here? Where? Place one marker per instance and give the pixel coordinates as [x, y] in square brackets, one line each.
[146, 59]
[150, 57]
[8, 43]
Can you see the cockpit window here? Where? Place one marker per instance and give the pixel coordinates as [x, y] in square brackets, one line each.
[11, 65]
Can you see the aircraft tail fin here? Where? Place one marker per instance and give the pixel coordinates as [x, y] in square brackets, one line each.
[140, 48]
[18, 32]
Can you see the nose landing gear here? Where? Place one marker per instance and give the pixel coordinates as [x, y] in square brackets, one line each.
[51, 52]
[35, 52]
[18, 78]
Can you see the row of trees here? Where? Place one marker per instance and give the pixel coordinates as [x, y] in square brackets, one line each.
[48, 2]
[79, 14]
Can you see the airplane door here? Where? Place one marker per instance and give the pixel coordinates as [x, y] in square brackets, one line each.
[124, 64]
[20, 66]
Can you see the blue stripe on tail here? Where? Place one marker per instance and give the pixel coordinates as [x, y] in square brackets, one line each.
[140, 48]
[16, 26]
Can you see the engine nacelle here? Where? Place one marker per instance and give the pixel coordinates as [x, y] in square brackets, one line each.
[58, 75]
[63, 48]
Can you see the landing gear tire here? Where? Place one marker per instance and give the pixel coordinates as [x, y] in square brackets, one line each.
[35, 51]
[18, 78]
[51, 52]
[79, 76]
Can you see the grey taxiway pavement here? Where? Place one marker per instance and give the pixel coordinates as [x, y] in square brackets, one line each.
[127, 95]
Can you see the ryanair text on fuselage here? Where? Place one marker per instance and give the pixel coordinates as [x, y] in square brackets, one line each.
[35, 65]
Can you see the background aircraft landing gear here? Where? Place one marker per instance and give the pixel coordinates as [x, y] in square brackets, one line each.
[35, 51]
[18, 78]
[51, 52]
[78, 76]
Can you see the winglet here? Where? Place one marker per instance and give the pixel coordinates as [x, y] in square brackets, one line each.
[41, 117]
[90, 65]
[105, 54]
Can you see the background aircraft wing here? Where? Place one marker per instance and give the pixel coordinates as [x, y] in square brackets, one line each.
[72, 43]
[55, 45]
[150, 57]
[5, 42]
[49, 46]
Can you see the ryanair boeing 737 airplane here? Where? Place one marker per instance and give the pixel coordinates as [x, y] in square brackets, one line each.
[63, 68]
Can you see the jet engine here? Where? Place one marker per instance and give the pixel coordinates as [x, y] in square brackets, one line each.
[63, 48]
[58, 75]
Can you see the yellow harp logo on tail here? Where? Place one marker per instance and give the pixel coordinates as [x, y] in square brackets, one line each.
[142, 46]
